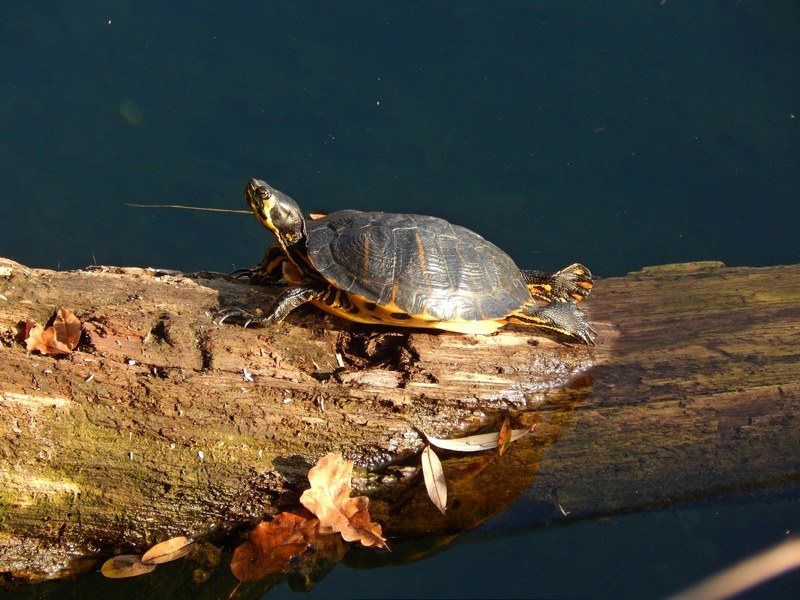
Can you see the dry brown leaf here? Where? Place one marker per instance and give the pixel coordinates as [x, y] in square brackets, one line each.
[125, 565]
[44, 341]
[361, 528]
[329, 499]
[435, 483]
[168, 550]
[475, 443]
[27, 326]
[68, 328]
[316, 216]
[271, 545]
[504, 437]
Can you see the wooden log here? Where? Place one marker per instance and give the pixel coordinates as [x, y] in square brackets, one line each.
[164, 423]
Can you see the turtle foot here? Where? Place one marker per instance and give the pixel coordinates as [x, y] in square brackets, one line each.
[238, 316]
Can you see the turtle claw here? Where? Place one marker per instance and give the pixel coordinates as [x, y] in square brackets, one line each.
[245, 274]
[586, 335]
[254, 276]
[564, 318]
[572, 321]
[237, 315]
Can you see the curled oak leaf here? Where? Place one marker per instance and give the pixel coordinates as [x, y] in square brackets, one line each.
[330, 490]
[329, 499]
[271, 546]
[361, 527]
[44, 341]
[68, 328]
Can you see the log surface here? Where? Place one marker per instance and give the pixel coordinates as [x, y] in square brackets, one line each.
[164, 423]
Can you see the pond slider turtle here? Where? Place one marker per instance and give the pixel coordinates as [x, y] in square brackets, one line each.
[406, 270]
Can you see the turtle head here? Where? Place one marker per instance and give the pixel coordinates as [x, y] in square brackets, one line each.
[276, 211]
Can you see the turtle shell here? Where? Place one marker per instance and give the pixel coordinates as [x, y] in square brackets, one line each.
[416, 264]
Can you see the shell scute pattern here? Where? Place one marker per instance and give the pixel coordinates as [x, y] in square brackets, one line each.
[421, 264]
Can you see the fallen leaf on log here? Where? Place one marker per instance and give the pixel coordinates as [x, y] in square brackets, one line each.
[45, 341]
[60, 338]
[434, 479]
[271, 546]
[476, 443]
[68, 328]
[361, 528]
[125, 565]
[329, 499]
[168, 550]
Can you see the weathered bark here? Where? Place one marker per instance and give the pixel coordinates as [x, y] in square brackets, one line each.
[153, 427]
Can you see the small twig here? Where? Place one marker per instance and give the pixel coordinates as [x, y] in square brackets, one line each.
[222, 210]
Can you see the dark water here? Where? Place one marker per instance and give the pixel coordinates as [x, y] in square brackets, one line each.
[619, 134]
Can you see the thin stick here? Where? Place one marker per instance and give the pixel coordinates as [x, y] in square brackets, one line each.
[223, 210]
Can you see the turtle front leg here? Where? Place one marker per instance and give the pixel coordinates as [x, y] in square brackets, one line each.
[285, 303]
[572, 283]
[291, 299]
[267, 272]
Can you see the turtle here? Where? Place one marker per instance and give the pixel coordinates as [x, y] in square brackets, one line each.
[406, 270]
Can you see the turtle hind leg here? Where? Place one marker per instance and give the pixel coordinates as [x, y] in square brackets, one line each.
[563, 317]
[572, 283]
